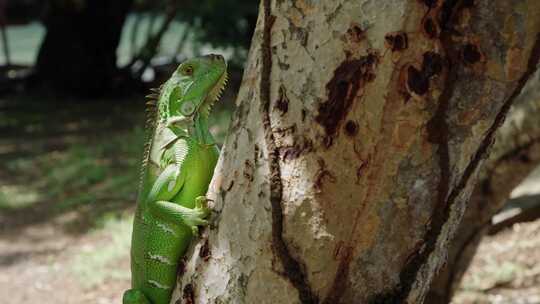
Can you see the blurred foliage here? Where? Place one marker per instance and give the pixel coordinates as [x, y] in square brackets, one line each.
[156, 34]
[227, 24]
[221, 22]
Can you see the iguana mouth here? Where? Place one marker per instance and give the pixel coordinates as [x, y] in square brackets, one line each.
[215, 94]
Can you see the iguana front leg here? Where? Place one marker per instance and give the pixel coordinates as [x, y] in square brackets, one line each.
[167, 185]
[174, 213]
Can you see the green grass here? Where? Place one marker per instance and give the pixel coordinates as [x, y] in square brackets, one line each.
[82, 174]
[17, 196]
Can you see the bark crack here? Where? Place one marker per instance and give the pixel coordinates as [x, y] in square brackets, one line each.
[293, 270]
[438, 133]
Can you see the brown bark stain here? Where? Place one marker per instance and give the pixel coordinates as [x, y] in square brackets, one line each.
[248, 171]
[396, 41]
[343, 89]
[351, 128]
[430, 28]
[355, 33]
[181, 267]
[285, 131]
[188, 294]
[353, 40]
[230, 186]
[282, 103]
[205, 254]
[513, 66]
[256, 154]
[471, 54]
[360, 171]
[417, 81]
[300, 144]
[300, 147]
[322, 175]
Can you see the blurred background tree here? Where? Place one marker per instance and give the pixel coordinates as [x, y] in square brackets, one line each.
[231, 25]
[98, 48]
[78, 53]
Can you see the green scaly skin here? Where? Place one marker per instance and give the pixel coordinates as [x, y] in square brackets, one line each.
[178, 165]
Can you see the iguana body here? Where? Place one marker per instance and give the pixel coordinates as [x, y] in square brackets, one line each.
[178, 165]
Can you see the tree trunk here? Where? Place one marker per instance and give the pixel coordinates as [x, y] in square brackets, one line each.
[78, 54]
[360, 129]
[515, 155]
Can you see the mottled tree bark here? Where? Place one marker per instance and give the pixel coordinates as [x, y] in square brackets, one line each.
[515, 155]
[360, 129]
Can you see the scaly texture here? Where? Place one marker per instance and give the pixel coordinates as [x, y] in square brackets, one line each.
[179, 160]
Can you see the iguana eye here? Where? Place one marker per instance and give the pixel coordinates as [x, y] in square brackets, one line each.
[187, 108]
[187, 70]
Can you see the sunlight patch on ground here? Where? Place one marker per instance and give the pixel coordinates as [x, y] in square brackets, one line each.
[505, 268]
[17, 196]
[529, 186]
[96, 261]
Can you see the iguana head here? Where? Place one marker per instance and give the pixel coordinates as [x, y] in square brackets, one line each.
[187, 97]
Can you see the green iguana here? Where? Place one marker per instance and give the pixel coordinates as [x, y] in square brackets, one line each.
[179, 161]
